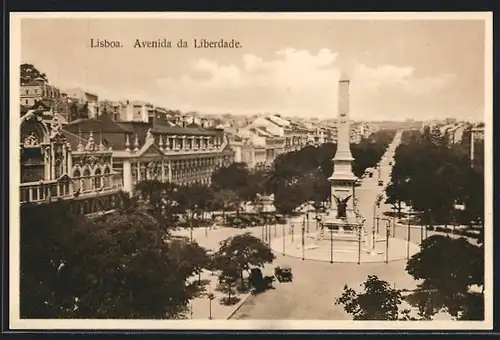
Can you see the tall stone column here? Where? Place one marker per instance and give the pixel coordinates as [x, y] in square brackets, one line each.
[342, 180]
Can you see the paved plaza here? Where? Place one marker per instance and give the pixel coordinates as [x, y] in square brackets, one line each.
[321, 268]
[311, 294]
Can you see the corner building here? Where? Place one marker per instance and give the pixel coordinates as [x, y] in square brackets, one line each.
[151, 150]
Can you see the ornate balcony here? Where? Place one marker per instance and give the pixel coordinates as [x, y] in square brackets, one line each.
[68, 188]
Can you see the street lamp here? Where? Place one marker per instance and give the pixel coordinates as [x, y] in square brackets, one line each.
[375, 206]
[394, 221]
[284, 236]
[210, 296]
[275, 226]
[331, 245]
[303, 241]
[387, 232]
[408, 237]
[359, 244]
[307, 216]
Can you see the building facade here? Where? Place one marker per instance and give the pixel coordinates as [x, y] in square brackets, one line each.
[80, 96]
[146, 151]
[91, 160]
[53, 168]
[38, 90]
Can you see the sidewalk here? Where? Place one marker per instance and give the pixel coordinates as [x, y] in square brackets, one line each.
[201, 308]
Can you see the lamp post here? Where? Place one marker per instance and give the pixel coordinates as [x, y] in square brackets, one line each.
[408, 237]
[190, 228]
[359, 244]
[206, 224]
[284, 236]
[292, 231]
[331, 245]
[303, 245]
[307, 216]
[394, 216]
[210, 298]
[387, 232]
[376, 205]
[275, 226]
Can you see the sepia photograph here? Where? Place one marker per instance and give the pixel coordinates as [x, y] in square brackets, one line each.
[251, 171]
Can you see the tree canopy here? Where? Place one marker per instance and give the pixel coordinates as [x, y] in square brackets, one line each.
[299, 176]
[240, 252]
[378, 301]
[432, 177]
[111, 266]
[29, 72]
[448, 268]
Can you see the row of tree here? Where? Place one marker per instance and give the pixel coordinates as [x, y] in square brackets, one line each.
[113, 266]
[124, 264]
[433, 176]
[299, 176]
[451, 276]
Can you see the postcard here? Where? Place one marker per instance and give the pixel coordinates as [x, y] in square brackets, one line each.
[251, 171]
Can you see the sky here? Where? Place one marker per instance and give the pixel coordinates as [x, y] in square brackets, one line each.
[399, 69]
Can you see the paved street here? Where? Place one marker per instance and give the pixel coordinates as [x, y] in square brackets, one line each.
[310, 295]
[316, 283]
[315, 286]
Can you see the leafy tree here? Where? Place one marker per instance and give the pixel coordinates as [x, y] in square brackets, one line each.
[235, 177]
[432, 176]
[242, 252]
[378, 301]
[109, 267]
[29, 73]
[449, 268]
[198, 257]
[161, 199]
[289, 198]
[227, 200]
[227, 284]
[396, 195]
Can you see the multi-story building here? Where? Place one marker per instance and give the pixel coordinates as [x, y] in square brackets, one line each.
[455, 133]
[80, 96]
[92, 159]
[477, 146]
[151, 150]
[257, 147]
[39, 90]
[56, 164]
[295, 136]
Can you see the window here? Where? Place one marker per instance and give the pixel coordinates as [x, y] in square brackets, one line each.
[58, 168]
[97, 178]
[107, 177]
[86, 180]
[76, 180]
